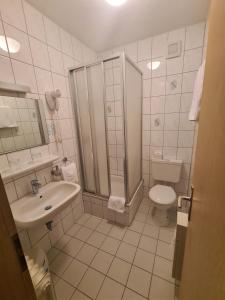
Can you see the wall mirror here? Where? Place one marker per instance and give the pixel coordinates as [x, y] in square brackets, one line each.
[22, 124]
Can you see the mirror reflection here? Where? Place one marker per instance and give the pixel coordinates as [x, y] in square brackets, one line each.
[20, 124]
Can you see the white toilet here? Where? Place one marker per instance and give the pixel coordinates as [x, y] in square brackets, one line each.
[163, 196]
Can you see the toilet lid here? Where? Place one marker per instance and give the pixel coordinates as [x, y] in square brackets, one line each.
[162, 194]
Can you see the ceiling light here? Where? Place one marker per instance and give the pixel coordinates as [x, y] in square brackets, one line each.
[13, 45]
[116, 2]
[153, 65]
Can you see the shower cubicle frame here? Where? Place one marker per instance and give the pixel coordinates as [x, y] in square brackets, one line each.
[73, 88]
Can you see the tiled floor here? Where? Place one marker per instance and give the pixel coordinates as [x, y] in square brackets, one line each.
[99, 260]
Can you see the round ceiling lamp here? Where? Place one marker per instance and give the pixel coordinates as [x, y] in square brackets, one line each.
[13, 45]
[116, 2]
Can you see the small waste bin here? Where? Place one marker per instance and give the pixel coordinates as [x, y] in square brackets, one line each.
[39, 271]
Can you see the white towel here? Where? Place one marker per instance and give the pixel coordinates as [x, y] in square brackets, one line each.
[7, 117]
[69, 172]
[117, 204]
[197, 94]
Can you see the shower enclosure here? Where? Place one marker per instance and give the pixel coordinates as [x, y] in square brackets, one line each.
[107, 98]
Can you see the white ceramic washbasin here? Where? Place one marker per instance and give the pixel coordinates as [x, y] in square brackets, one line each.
[35, 210]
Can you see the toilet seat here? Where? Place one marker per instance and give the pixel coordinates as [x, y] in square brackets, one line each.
[162, 194]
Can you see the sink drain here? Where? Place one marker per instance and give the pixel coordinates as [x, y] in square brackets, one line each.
[48, 207]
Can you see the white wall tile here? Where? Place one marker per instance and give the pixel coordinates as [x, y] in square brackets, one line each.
[59, 82]
[24, 74]
[39, 52]
[44, 80]
[192, 59]
[185, 124]
[186, 138]
[24, 53]
[177, 35]
[157, 122]
[66, 42]
[195, 36]
[188, 82]
[157, 105]
[171, 121]
[157, 138]
[12, 13]
[174, 65]
[172, 103]
[144, 49]
[34, 20]
[52, 33]
[170, 138]
[159, 45]
[184, 154]
[6, 73]
[158, 86]
[186, 100]
[173, 84]
[56, 61]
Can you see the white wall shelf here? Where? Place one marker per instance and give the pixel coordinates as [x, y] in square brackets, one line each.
[12, 173]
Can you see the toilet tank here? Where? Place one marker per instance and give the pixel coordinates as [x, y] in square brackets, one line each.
[166, 170]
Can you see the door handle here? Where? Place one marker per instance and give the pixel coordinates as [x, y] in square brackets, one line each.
[189, 199]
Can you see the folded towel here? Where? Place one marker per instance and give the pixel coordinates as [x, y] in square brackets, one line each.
[197, 94]
[7, 117]
[117, 204]
[69, 172]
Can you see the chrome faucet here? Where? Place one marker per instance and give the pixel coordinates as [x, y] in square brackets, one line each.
[35, 184]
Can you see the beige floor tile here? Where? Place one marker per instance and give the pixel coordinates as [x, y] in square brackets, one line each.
[60, 263]
[86, 254]
[117, 232]
[73, 247]
[144, 260]
[163, 268]
[83, 234]
[91, 283]
[110, 290]
[52, 253]
[96, 239]
[167, 235]
[140, 217]
[79, 296]
[92, 222]
[60, 244]
[131, 237]
[161, 289]
[63, 290]
[137, 226]
[152, 231]
[110, 245]
[73, 230]
[126, 252]
[83, 219]
[54, 278]
[139, 281]
[119, 270]
[131, 295]
[74, 273]
[102, 261]
[148, 244]
[165, 250]
[104, 227]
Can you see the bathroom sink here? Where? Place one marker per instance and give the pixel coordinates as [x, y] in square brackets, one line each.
[35, 210]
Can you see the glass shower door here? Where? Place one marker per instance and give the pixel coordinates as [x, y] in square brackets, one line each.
[90, 114]
[133, 126]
